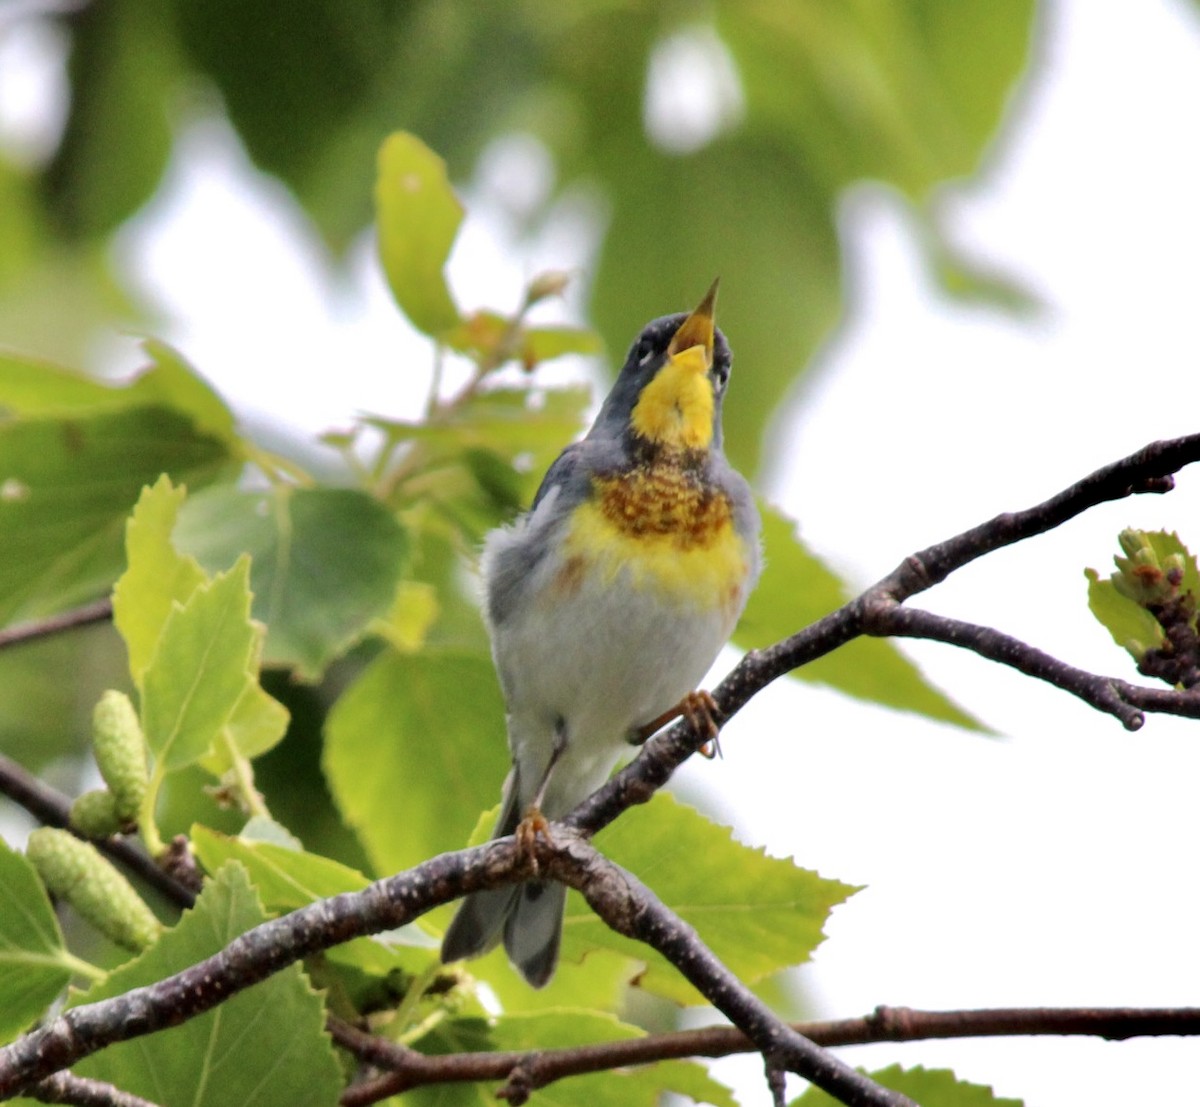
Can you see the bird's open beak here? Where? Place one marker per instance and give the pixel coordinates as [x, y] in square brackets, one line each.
[697, 328]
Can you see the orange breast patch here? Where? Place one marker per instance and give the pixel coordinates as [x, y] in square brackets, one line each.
[665, 531]
[664, 502]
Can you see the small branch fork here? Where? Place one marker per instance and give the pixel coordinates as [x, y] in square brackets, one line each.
[627, 905]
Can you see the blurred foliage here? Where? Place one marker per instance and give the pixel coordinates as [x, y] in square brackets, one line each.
[374, 736]
[805, 100]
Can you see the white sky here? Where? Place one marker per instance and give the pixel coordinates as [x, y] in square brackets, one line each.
[1055, 865]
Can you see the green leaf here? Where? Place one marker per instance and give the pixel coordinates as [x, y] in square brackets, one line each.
[257, 724]
[287, 878]
[160, 580]
[158, 577]
[759, 914]
[68, 485]
[33, 968]
[61, 298]
[797, 589]
[910, 96]
[118, 133]
[264, 1046]
[171, 382]
[490, 336]
[426, 727]
[33, 386]
[1132, 627]
[326, 561]
[928, 1087]
[418, 217]
[526, 428]
[564, 1028]
[780, 269]
[546, 343]
[200, 669]
[413, 611]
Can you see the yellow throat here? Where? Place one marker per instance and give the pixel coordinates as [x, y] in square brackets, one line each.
[675, 410]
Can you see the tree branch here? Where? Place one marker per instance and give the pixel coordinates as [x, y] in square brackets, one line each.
[253, 956]
[98, 611]
[878, 611]
[410, 1069]
[620, 899]
[65, 1087]
[617, 897]
[1116, 697]
[51, 807]
[630, 908]
[1150, 470]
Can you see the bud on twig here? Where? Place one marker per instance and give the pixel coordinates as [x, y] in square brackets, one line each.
[1141, 577]
[545, 285]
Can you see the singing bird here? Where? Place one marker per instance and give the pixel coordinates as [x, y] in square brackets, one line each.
[608, 601]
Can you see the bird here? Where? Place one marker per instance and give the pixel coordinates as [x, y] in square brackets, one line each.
[607, 602]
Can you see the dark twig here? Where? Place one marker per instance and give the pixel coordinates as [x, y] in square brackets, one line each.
[65, 1087]
[630, 908]
[777, 1085]
[1149, 470]
[51, 807]
[410, 1069]
[875, 612]
[98, 611]
[1108, 694]
[271, 946]
[254, 956]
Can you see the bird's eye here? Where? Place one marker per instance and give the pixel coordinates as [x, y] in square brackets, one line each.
[720, 376]
[645, 353]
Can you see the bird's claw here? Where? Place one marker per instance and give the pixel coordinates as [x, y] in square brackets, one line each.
[700, 710]
[532, 825]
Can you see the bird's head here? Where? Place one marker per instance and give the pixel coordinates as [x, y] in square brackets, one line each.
[668, 394]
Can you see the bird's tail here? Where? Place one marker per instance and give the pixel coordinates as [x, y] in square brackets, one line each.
[528, 916]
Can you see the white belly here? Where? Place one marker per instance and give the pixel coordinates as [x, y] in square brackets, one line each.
[605, 660]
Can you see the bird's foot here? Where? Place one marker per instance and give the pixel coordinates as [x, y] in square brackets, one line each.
[701, 712]
[532, 825]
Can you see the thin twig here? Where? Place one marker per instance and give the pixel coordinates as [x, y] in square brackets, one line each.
[52, 808]
[98, 611]
[1149, 470]
[1115, 697]
[79, 1091]
[410, 1069]
[627, 906]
